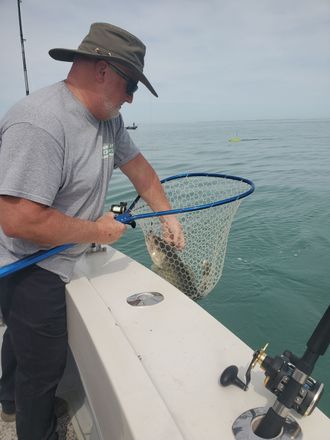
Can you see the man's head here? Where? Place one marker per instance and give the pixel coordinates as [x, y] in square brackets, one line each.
[113, 45]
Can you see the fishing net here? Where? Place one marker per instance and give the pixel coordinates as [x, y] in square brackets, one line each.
[205, 205]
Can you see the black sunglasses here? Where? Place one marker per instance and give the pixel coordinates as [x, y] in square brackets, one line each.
[131, 86]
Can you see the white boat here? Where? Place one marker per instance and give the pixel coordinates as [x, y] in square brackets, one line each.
[151, 372]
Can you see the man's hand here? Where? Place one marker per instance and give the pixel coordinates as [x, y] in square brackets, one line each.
[110, 230]
[173, 232]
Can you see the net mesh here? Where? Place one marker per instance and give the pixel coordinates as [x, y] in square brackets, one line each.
[197, 268]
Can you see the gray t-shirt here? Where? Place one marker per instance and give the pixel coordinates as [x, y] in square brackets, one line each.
[55, 152]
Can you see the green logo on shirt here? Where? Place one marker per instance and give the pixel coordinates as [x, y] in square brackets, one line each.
[107, 151]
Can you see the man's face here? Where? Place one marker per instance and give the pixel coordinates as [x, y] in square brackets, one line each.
[116, 92]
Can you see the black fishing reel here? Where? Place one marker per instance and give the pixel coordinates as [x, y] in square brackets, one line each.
[278, 371]
[288, 378]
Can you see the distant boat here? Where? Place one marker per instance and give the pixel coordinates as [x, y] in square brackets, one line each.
[132, 127]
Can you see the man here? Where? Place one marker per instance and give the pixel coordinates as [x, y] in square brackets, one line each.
[58, 148]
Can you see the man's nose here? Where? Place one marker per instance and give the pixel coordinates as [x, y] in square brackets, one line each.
[129, 98]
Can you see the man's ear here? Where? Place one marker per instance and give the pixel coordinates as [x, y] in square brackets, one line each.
[101, 68]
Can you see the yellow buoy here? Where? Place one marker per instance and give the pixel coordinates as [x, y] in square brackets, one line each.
[234, 139]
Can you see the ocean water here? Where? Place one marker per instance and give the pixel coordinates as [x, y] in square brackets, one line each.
[276, 279]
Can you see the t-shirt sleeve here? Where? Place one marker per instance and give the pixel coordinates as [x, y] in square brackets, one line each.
[31, 163]
[125, 149]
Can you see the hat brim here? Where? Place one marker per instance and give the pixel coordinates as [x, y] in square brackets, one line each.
[69, 55]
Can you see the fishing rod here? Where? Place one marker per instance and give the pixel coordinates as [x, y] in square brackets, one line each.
[22, 46]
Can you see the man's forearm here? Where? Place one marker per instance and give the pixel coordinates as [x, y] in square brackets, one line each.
[54, 228]
[20, 218]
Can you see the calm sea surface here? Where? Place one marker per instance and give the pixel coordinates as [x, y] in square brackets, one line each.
[276, 280]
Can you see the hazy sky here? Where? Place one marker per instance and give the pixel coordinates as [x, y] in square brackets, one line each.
[207, 59]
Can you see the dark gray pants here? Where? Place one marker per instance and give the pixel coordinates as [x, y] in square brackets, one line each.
[34, 348]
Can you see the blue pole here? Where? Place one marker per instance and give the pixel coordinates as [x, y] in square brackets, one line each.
[31, 259]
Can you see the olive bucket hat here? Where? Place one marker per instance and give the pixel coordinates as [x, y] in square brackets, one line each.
[111, 43]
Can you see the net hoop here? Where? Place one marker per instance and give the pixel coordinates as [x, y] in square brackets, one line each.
[231, 199]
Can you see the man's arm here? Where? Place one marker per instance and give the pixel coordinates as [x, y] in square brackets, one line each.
[22, 218]
[148, 186]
